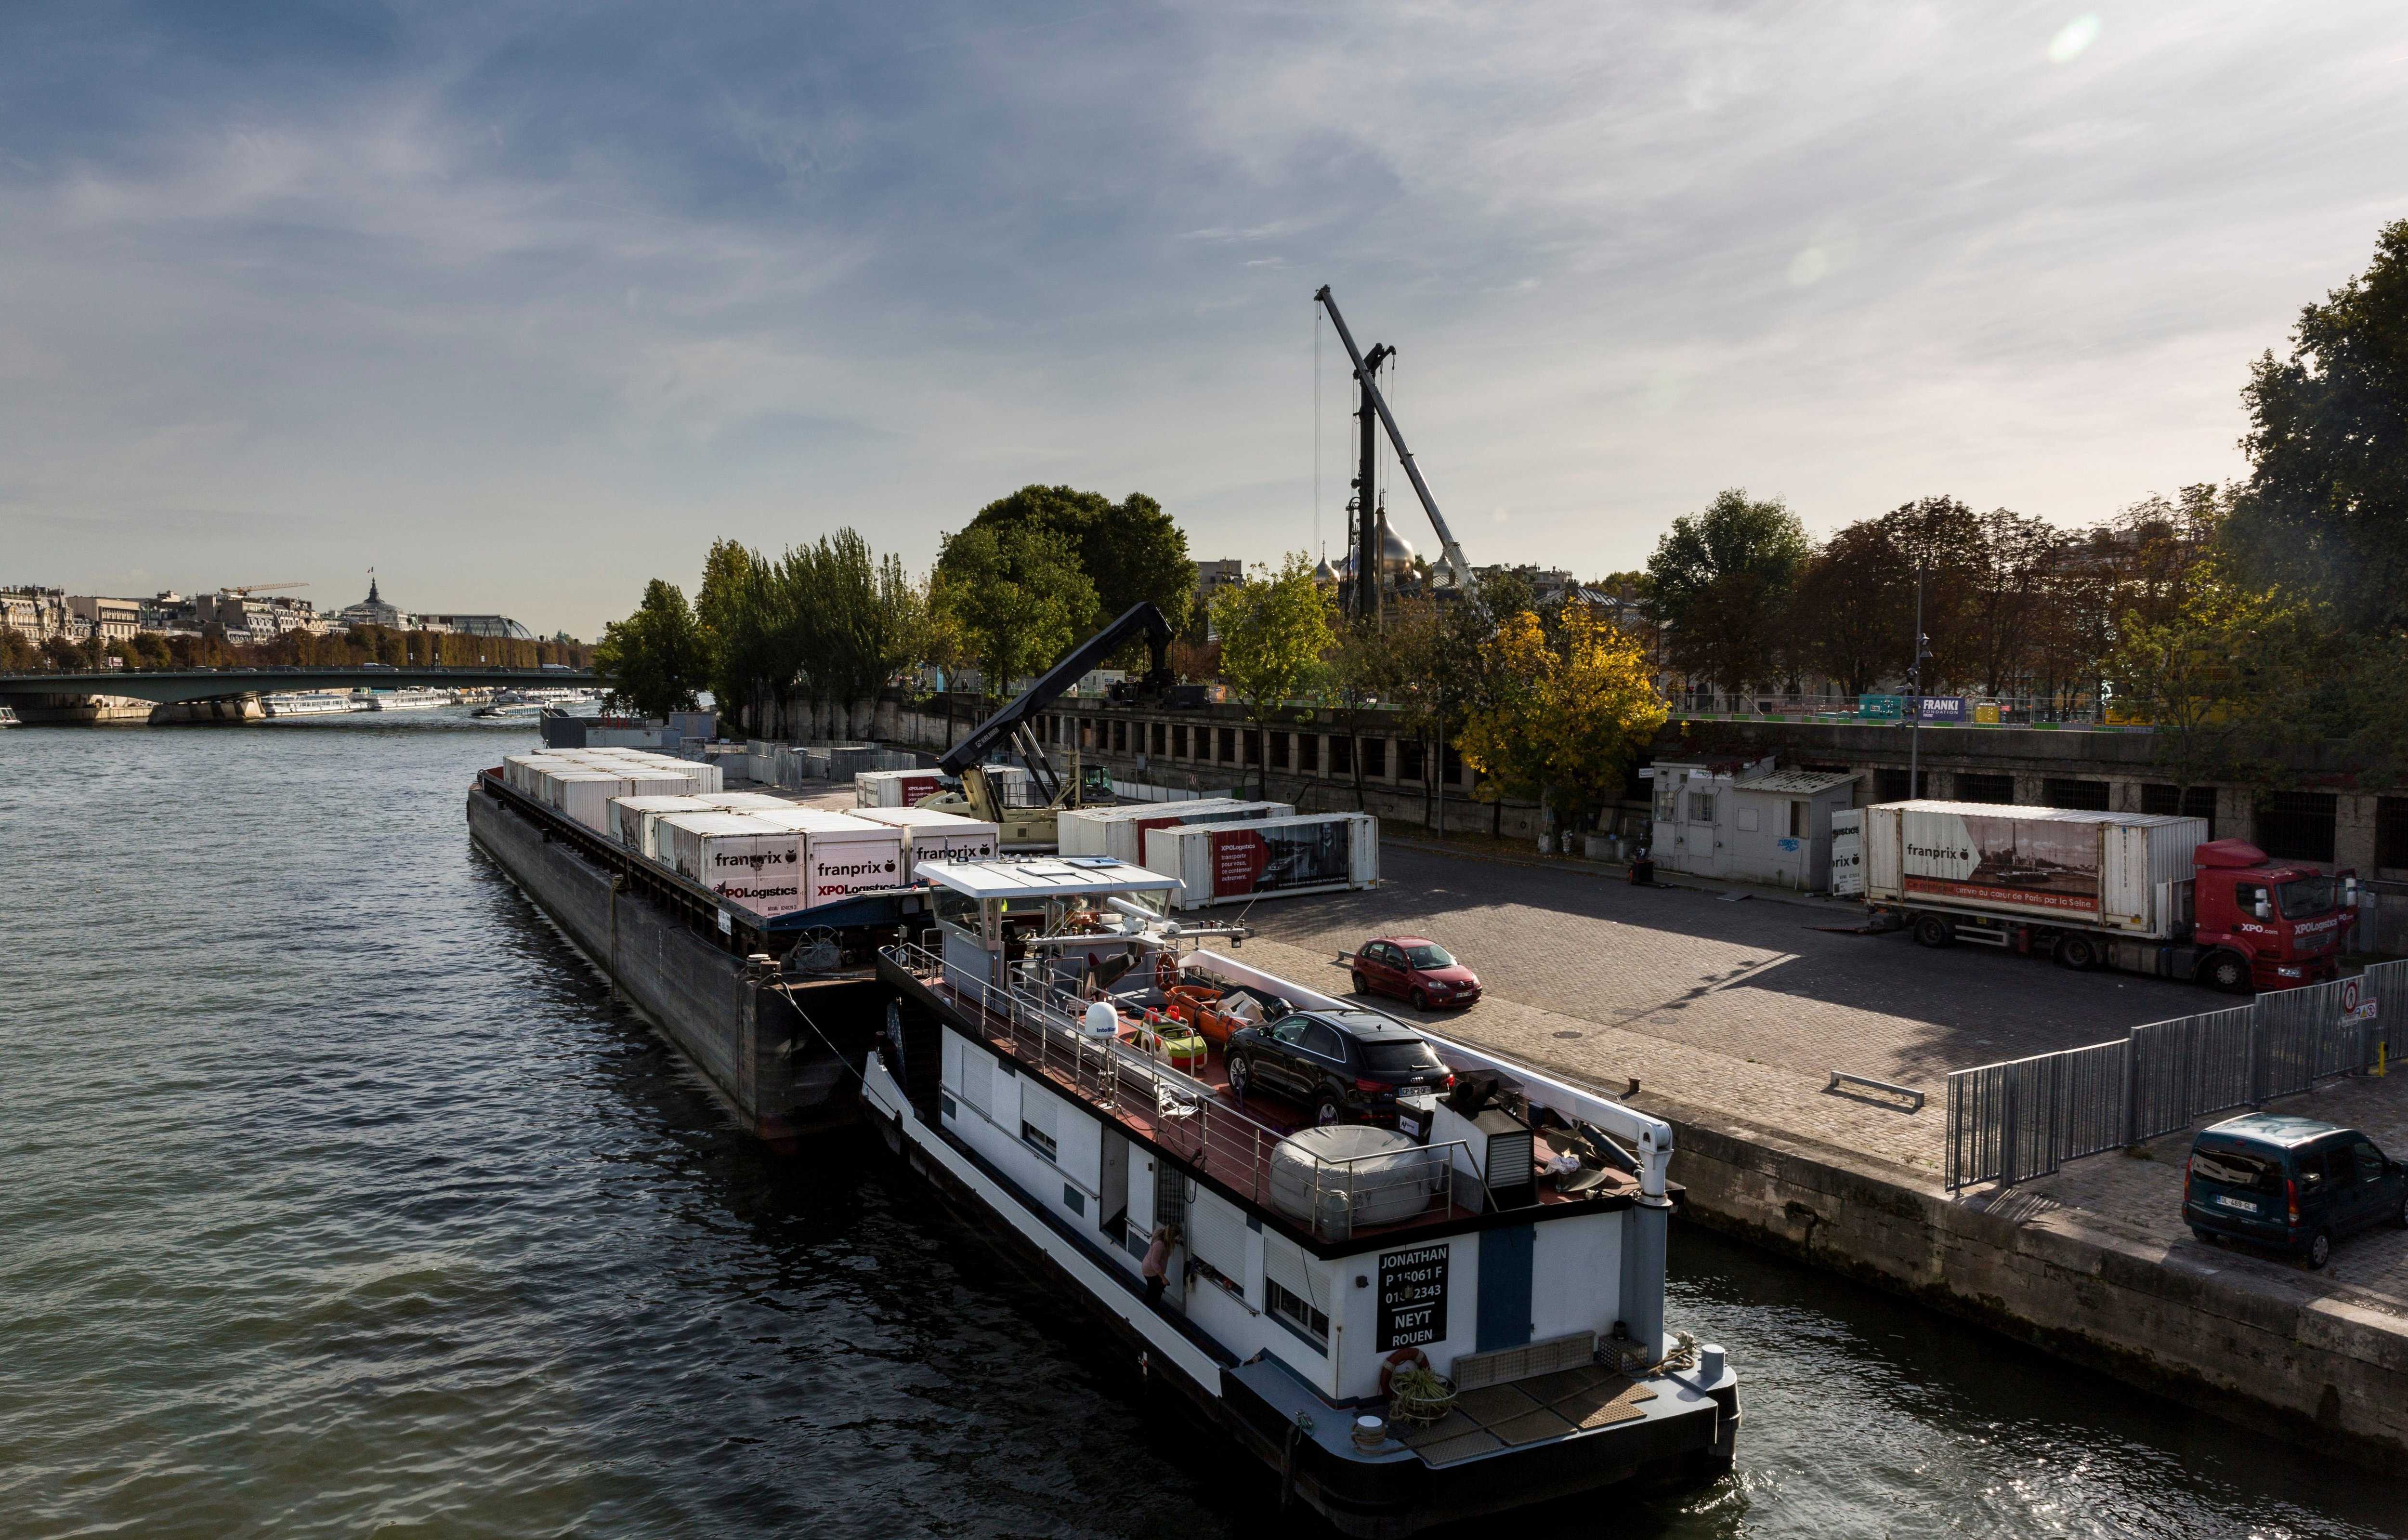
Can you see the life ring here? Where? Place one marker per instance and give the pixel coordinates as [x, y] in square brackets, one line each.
[1165, 971]
[1397, 1361]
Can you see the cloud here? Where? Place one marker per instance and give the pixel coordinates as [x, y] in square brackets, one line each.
[525, 305]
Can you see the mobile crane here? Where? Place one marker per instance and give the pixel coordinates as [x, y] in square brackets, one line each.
[1034, 825]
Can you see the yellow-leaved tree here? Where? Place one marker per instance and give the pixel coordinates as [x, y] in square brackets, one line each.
[1566, 709]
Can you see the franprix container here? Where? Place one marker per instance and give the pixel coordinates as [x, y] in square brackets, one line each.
[894, 788]
[741, 856]
[628, 814]
[1120, 831]
[1225, 863]
[2120, 871]
[841, 855]
[932, 836]
[586, 795]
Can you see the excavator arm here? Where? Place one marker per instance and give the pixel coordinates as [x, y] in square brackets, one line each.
[1012, 724]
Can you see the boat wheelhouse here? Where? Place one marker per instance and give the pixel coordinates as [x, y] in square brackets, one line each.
[1058, 1058]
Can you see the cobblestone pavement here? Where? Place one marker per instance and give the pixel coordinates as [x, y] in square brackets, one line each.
[2145, 1194]
[1754, 981]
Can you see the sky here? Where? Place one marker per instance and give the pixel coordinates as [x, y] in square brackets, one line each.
[522, 305]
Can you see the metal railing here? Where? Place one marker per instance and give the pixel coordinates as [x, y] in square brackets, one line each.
[2014, 1121]
[1043, 1025]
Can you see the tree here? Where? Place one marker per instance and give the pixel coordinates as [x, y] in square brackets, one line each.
[1566, 713]
[1130, 550]
[2225, 679]
[1854, 607]
[2325, 510]
[1273, 633]
[656, 659]
[1721, 581]
[1017, 596]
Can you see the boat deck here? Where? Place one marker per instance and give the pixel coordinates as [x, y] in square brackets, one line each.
[1194, 1115]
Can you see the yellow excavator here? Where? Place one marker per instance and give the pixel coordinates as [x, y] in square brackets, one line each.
[1025, 813]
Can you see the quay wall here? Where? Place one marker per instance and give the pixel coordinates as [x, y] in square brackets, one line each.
[747, 1041]
[2245, 1343]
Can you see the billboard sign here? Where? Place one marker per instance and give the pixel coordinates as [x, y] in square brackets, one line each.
[1848, 854]
[2040, 865]
[1942, 708]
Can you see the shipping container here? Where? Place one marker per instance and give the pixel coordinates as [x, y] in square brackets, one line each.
[1120, 831]
[2120, 871]
[628, 816]
[740, 856]
[929, 835]
[1223, 863]
[842, 856]
[894, 788]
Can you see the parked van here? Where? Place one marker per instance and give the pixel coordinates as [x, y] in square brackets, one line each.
[2290, 1183]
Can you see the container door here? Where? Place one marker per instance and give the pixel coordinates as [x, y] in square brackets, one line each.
[1504, 1318]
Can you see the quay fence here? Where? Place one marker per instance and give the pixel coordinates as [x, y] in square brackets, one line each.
[1043, 1025]
[2024, 1118]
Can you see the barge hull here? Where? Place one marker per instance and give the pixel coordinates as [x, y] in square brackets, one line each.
[783, 1076]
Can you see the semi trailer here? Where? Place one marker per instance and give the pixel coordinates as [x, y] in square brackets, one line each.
[2140, 892]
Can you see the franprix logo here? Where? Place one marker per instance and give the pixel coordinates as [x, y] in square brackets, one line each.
[753, 861]
[1939, 853]
[858, 869]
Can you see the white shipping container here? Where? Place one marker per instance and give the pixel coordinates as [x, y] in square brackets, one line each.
[628, 816]
[894, 788]
[1120, 831]
[1225, 863]
[843, 855]
[746, 801]
[738, 855]
[2113, 870]
[932, 836]
[586, 795]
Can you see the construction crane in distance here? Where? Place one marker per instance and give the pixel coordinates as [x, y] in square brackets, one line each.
[246, 589]
[1367, 537]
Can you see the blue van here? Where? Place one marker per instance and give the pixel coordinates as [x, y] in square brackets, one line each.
[2290, 1183]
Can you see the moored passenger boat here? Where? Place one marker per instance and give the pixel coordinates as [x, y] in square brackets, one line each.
[1418, 1280]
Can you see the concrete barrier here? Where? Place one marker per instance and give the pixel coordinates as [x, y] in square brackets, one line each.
[2232, 1335]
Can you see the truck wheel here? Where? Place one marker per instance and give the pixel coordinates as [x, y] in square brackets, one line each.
[2226, 971]
[2079, 953]
[1931, 930]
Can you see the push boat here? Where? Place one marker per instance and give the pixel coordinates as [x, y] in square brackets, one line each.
[1453, 1309]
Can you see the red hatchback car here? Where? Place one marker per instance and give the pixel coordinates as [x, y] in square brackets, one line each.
[1413, 968]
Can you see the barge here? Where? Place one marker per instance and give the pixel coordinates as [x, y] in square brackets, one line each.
[1453, 1306]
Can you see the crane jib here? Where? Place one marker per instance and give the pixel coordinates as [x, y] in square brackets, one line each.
[1450, 552]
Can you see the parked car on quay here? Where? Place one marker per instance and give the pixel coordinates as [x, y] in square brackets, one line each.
[1415, 969]
[1347, 1066]
[2290, 1183]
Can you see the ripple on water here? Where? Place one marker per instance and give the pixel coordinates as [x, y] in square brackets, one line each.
[337, 1199]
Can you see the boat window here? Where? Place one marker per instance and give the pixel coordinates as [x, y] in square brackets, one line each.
[2304, 897]
[1400, 1058]
[2237, 1169]
[1429, 954]
[1297, 1312]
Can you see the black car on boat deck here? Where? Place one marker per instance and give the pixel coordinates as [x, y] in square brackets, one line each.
[1347, 1066]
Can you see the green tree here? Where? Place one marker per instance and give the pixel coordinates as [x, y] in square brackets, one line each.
[2325, 510]
[1568, 708]
[1016, 595]
[1721, 581]
[656, 659]
[1273, 633]
[1130, 550]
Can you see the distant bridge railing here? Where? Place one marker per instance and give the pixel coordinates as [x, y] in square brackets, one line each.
[2014, 1121]
[167, 685]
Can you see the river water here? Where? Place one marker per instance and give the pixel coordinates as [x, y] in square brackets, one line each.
[336, 1199]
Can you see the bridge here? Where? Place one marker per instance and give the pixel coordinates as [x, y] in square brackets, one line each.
[165, 686]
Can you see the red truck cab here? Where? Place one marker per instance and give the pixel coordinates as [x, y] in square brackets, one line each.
[2264, 925]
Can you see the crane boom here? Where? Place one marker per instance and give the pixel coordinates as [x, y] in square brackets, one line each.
[1009, 725]
[1449, 551]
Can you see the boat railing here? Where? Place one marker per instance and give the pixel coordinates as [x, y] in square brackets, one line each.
[1043, 1025]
